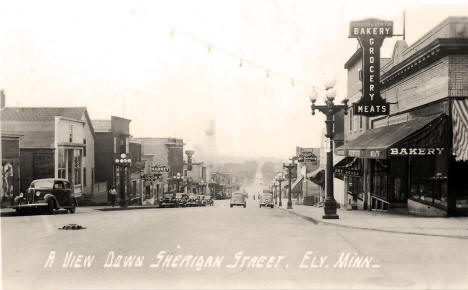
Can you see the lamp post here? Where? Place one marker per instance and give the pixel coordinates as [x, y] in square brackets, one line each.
[329, 109]
[122, 163]
[280, 179]
[178, 179]
[289, 167]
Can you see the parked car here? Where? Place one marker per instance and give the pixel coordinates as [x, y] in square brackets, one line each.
[209, 200]
[192, 200]
[47, 194]
[266, 199]
[181, 199]
[168, 200]
[238, 198]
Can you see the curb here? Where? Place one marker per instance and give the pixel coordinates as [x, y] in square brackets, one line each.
[315, 221]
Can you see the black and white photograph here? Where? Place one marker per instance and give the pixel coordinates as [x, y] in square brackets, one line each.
[234, 144]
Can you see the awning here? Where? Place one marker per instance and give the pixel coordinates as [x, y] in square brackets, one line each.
[460, 129]
[350, 166]
[298, 180]
[318, 175]
[420, 136]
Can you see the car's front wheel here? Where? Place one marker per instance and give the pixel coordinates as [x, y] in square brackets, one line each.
[245, 205]
[50, 206]
[231, 205]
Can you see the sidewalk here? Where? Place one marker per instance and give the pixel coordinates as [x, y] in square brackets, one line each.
[453, 227]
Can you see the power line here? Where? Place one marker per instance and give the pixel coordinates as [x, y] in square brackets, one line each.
[242, 60]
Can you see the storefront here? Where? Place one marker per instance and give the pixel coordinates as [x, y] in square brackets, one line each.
[408, 165]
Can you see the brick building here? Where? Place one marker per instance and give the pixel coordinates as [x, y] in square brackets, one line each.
[112, 139]
[163, 152]
[414, 159]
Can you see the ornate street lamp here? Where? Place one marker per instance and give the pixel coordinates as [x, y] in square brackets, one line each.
[329, 109]
[178, 178]
[280, 178]
[122, 163]
[289, 167]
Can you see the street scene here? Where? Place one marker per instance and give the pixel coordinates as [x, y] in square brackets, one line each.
[209, 144]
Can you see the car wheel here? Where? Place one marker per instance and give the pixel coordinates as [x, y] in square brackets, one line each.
[72, 209]
[231, 205]
[50, 206]
[245, 205]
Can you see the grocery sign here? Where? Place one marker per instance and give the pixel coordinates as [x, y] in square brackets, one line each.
[371, 34]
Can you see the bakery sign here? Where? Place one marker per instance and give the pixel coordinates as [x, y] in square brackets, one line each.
[371, 34]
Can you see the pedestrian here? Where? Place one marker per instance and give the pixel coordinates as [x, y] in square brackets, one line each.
[113, 195]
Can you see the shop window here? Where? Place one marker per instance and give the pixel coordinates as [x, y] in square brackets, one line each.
[355, 187]
[62, 164]
[429, 180]
[70, 137]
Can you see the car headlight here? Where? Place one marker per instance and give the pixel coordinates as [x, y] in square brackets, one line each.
[38, 193]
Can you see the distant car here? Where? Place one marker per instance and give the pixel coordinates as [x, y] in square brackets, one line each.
[168, 200]
[47, 194]
[266, 199]
[238, 198]
[209, 200]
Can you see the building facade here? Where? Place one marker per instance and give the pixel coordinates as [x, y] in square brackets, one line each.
[112, 140]
[414, 159]
[56, 142]
[10, 167]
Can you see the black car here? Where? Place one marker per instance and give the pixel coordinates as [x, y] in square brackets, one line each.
[47, 194]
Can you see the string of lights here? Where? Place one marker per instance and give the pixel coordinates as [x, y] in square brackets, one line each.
[242, 60]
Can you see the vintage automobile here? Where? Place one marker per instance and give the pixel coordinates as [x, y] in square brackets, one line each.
[209, 200]
[238, 198]
[266, 199]
[192, 200]
[168, 200]
[47, 194]
[181, 199]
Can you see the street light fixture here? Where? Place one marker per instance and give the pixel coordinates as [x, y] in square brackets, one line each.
[178, 178]
[122, 163]
[329, 109]
[280, 178]
[289, 167]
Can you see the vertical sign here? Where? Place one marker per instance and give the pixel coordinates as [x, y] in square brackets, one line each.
[371, 34]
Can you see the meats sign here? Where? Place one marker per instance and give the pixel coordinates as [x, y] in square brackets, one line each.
[371, 34]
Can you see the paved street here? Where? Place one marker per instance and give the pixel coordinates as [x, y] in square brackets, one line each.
[219, 247]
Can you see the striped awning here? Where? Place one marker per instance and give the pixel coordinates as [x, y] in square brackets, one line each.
[460, 129]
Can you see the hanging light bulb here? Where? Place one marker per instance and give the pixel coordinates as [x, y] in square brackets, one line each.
[171, 34]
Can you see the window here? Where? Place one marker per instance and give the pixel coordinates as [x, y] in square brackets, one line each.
[84, 147]
[127, 147]
[360, 122]
[70, 138]
[429, 180]
[84, 176]
[122, 144]
[351, 120]
[58, 185]
[77, 167]
[115, 145]
[62, 164]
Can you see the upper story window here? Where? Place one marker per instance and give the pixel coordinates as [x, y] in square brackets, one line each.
[351, 120]
[70, 137]
[115, 145]
[84, 147]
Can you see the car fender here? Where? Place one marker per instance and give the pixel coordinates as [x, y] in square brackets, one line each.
[49, 196]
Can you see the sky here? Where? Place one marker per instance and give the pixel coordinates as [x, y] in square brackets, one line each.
[171, 65]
